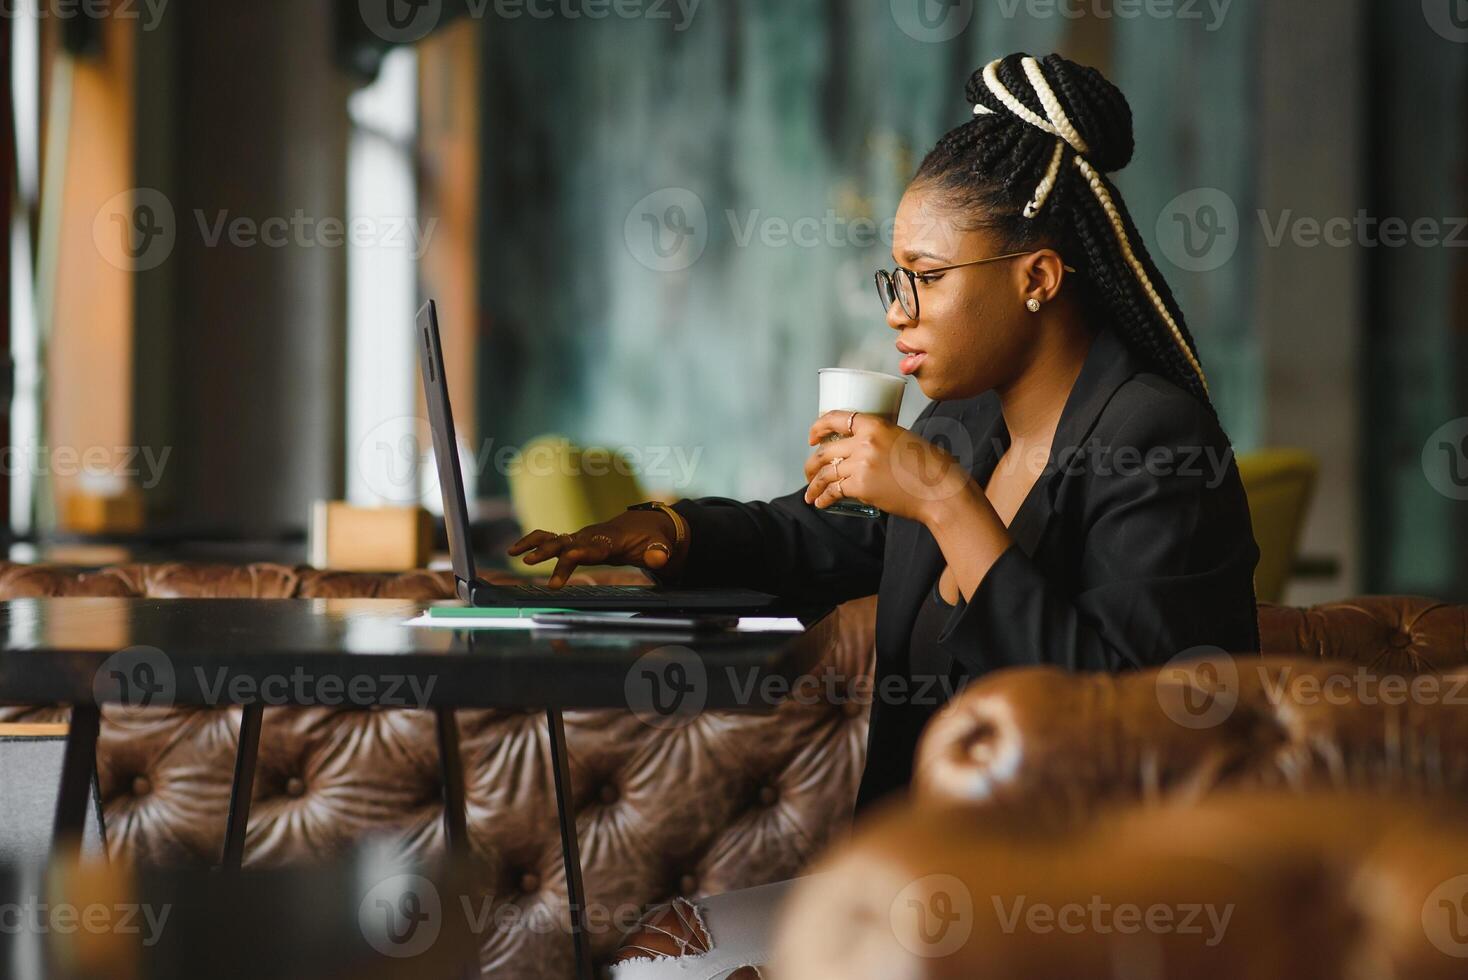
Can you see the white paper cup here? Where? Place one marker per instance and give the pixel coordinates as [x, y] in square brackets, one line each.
[867, 392]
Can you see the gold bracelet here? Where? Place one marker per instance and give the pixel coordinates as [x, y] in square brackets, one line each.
[680, 526]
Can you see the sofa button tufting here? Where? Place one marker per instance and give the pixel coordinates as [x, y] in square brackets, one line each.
[1400, 640]
[688, 884]
[295, 786]
[768, 795]
[141, 786]
[609, 794]
[529, 883]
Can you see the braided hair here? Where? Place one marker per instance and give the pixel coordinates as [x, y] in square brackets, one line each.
[1032, 163]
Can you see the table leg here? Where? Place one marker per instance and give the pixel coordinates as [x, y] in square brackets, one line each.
[455, 820]
[243, 787]
[570, 848]
[78, 770]
[455, 806]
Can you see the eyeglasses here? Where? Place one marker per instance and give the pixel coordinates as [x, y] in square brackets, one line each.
[900, 285]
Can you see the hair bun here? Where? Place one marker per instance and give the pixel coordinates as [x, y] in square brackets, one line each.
[1097, 109]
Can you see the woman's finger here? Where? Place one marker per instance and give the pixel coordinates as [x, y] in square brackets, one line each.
[825, 477]
[814, 464]
[831, 491]
[827, 453]
[529, 541]
[548, 547]
[838, 423]
[587, 548]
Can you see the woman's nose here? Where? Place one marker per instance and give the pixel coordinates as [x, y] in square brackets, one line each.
[897, 317]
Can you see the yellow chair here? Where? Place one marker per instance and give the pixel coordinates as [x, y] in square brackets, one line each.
[559, 486]
[1279, 484]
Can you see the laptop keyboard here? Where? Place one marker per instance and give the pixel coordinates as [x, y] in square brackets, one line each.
[583, 591]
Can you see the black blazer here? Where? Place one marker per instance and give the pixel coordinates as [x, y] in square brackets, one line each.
[1134, 546]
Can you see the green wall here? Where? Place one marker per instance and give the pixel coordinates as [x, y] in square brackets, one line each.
[783, 110]
[1416, 364]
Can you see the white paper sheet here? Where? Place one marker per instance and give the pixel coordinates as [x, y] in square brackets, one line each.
[747, 624]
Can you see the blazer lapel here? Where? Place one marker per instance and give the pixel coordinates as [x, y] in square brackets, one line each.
[912, 551]
[913, 557]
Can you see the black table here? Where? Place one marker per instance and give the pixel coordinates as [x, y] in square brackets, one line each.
[366, 915]
[358, 653]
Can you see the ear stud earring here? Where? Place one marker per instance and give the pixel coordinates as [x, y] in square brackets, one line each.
[1032, 304]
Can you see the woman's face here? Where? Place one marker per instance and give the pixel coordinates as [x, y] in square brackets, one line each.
[972, 327]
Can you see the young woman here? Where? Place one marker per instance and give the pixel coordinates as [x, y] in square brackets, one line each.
[1068, 498]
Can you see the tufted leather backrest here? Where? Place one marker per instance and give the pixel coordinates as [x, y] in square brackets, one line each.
[1384, 632]
[731, 801]
[1238, 885]
[1044, 739]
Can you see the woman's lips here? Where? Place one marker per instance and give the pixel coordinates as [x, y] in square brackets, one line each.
[913, 358]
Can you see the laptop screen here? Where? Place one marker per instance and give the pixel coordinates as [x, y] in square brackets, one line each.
[445, 446]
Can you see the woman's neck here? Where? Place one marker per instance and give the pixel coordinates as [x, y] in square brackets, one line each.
[1033, 402]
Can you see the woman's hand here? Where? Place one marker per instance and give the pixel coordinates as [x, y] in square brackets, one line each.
[881, 464]
[636, 537]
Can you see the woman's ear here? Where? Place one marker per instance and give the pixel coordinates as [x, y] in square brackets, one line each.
[1044, 273]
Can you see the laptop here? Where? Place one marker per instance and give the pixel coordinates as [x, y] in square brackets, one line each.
[475, 591]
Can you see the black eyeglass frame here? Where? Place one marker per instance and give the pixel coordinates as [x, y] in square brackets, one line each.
[887, 281]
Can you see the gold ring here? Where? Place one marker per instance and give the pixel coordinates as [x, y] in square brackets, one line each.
[838, 488]
[851, 425]
[836, 466]
[658, 544]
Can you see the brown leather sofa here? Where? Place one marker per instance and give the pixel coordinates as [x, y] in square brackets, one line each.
[732, 801]
[1372, 697]
[1251, 884]
[1317, 808]
[1390, 715]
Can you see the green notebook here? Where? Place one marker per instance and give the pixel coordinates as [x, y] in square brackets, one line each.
[490, 612]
